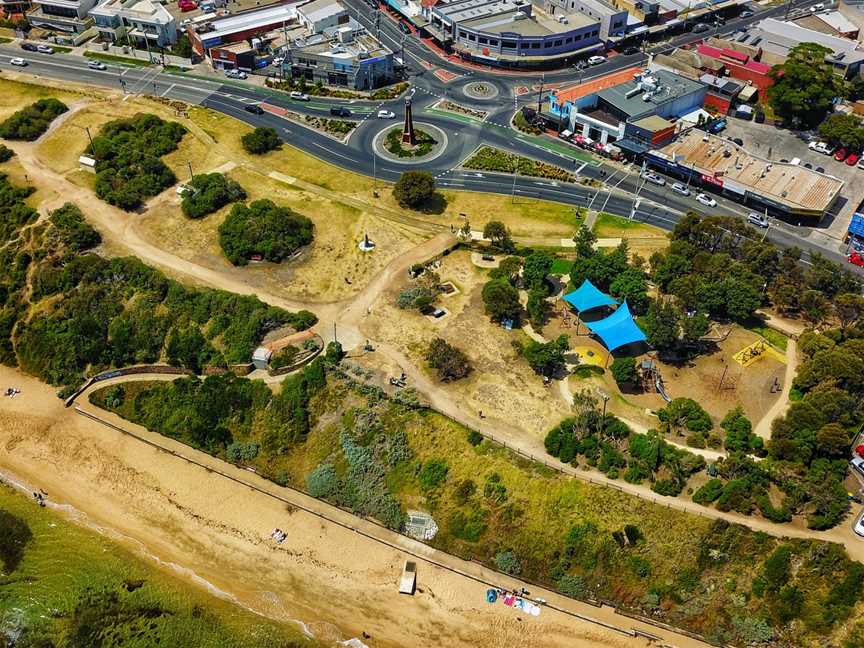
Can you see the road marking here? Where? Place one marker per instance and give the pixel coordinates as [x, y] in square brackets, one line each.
[169, 89]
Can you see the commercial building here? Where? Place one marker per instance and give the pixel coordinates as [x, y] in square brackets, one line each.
[517, 33]
[70, 16]
[13, 9]
[144, 23]
[726, 168]
[602, 116]
[775, 39]
[832, 23]
[737, 64]
[237, 28]
[344, 57]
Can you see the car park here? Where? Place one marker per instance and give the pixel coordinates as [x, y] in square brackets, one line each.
[841, 154]
[706, 200]
[757, 219]
[853, 158]
[29, 47]
[44, 49]
[254, 109]
[299, 96]
[386, 114]
[18, 61]
[654, 178]
[596, 60]
[96, 65]
[680, 189]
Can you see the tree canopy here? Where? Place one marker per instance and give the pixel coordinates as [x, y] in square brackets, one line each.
[261, 140]
[414, 188]
[208, 192]
[31, 122]
[804, 86]
[263, 228]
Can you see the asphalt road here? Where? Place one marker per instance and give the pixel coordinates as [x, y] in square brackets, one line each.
[655, 205]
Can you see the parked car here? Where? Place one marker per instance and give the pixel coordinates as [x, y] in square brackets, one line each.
[255, 109]
[187, 5]
[759, 117]
[706, 200]
[18, 61]
[859, 525]
[654, 178]
[746, 13]
[817, 7]
[700, 28]
[853, 158]
[820, 169]
[860, 164]
[44, 49]
[857, 463]
[856, 259]
[596, 60]
[630, 51]
[680, 189]
[276, 62]
[757, 219]
[386, 114]
[96, 65]
[340, 111]
[737, 140]
[236, 74]
[299, 96]
[717, 126]
[29, 47]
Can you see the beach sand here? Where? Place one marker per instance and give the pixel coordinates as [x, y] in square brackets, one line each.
[338, 582]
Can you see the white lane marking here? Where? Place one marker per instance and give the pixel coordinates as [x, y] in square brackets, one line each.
[169, 89]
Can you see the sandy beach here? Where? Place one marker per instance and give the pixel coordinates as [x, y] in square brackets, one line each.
[338, 582]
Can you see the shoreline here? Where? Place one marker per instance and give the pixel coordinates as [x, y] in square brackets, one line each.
[340, 583]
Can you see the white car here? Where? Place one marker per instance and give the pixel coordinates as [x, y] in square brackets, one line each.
[299, 96]
[386, 114]
[18, 61]
[681, 189]
[746, 13]
[236, 74]
[817, 7]
[276, 62]
[654, 178]
[857, 464]
[706, 200]
[859, 525]
[44, 49]
[596, 60]
[96, 65]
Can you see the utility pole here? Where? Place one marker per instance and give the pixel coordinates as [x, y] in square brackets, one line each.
[540, 94]
[334, 331]
[191, 175]
[788, 8]
[90, 137]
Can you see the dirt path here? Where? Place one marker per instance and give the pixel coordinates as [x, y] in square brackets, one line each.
[184, 508]
[763, 427]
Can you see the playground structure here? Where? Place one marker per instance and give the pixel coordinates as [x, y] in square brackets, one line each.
[751, 353]
[649, 372]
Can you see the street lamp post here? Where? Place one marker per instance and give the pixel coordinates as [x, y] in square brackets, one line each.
[605, 398]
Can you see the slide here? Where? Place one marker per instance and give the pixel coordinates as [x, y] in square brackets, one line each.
[658, 383]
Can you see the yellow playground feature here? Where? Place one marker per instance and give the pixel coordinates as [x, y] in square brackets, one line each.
[587, 355]
[753, 352]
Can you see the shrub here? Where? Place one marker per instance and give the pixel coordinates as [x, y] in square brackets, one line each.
[708, 492]
[237, 452]
[624, 371]
[547, 358]
[501, 300]
[640, 566]
[322, 481]
[5, 153]
[451, 363]
[115, 397]
[31, 122]
[210, 192]
[668, 487]
[261, 140]
[413, 188]
[465, 489]
[685, 413]
[572, 586]
[72, 230]
[433, 473]
[508, 563]
[494, 490]
[263, 228]
[474, 437]
[128, 152]
[492, 159]
[334, 353]
[419, 297]
[468, 527]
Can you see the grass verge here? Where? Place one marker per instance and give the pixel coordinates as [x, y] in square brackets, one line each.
[118, 60]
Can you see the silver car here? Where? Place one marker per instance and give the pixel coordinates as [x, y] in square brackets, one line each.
[680, 189]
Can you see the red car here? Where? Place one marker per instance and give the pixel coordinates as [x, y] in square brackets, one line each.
[853, 158]
[187, 5]
[856, 259]
[841, 154]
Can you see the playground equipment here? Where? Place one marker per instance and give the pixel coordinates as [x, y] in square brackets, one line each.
[751, 353]
[651, 378]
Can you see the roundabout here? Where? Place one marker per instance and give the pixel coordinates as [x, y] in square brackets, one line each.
[430, 143]
[480, 90]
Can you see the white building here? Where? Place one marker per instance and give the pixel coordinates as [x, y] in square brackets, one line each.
[143, 22]
[319, 15]
[69, 16]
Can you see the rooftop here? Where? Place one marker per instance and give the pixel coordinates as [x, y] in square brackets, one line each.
[795, 186]
[595, 85]
[779, 37]
[829, 22]
[320, 9]
[252, 19]
[510, 16]
[653, 123]
[659, 87]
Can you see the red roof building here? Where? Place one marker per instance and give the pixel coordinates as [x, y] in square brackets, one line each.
[740, 66]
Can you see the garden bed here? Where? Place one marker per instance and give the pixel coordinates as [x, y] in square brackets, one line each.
[487, 158]
[449, 106]
[393, 143]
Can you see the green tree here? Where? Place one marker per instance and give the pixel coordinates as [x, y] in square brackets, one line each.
[804, 86]
[450, 363]
[849, 309]
[537, 267]
[508, 563]
[261, 140]
[210, 192]
[414, 188]
[585, 240]
[501, 300]
[433, 473]
[662, 326]
[685, 413]
[547, 358]
[844, 130]
[498, 235]
[630, 285]
[263, 228]
[537, 307]
[624, 370]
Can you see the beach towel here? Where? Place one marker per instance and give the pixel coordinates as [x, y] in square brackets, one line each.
[508, 600]
[520, 604]
[491, 596]
[535, 610]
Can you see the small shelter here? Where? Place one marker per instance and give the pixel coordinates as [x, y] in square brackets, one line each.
[588, 296]
[618, 329]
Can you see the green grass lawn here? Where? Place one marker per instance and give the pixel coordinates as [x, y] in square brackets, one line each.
[775, 338]
[118, 60]
[72, 587]
[561, 267]
[3, 39]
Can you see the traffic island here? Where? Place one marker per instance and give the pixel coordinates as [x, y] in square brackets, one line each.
[429, 143]
[480, 90]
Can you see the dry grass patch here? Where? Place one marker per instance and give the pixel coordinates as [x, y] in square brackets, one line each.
[14, 95]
